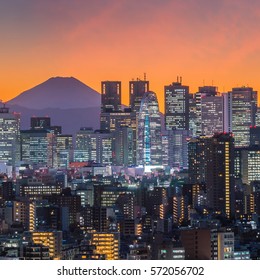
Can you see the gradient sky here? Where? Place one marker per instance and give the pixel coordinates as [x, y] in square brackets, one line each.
[201, 40]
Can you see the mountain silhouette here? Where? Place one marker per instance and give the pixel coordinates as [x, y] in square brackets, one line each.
[58, 92]
[67, 101]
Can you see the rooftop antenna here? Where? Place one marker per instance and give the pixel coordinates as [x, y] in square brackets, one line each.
[144, 76]
[180, 79]
[177, 79]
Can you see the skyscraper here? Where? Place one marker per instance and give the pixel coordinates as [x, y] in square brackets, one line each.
[111, 96]
[9, 136]
[136, 91]
[176, 106]
[177, 116]
[211, 161]
[192, 115]
[124, 153]
[38, 147]
[64, 150]
[243, 113]
[175, 148]
[209, 111]
[83, 148]
[149, 138]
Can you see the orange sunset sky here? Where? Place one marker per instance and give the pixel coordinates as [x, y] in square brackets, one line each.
[201, 40]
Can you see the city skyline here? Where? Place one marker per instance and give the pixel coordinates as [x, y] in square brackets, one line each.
[155, 155]
[216, 43]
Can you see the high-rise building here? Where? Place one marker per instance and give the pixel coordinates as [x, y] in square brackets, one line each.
[38, 147]
[64, 150]
[24, 213]
[175, 148]
[180, 209]
[106, 243]
[102, 147]
[9, 136]
[257, 118]
[209, 111]
[110, 96]
[124, 152]
[242, 102]
[192, 115]
[97, 146]
[114, 122]
[176, 106]
[211, 161]
[50, 239]
[149, 139]
[83, 149]
[137, 89]
[248, 164]
[39, 123]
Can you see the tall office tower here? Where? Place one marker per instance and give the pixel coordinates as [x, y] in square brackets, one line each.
[192, 115]
[38, 147]
[137, 89]
[83, 149]
[211, 161]
[209, 111]
[176, 106]
[242, 102]
[110, 121]
[124, 152]
[175, 148]
[113, 121]
[165, 149]
[9, 136]
[97, 146]
[110, 96]
[197, 159]
[149, 139]
[102, 147]
[227, 112]
[220, 176]
[178, 145]
[64, 150]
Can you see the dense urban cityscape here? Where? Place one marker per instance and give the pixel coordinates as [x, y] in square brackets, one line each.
[180, 185]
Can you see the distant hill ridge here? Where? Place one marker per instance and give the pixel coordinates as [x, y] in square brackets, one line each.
[58, 92]
[66, 100]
